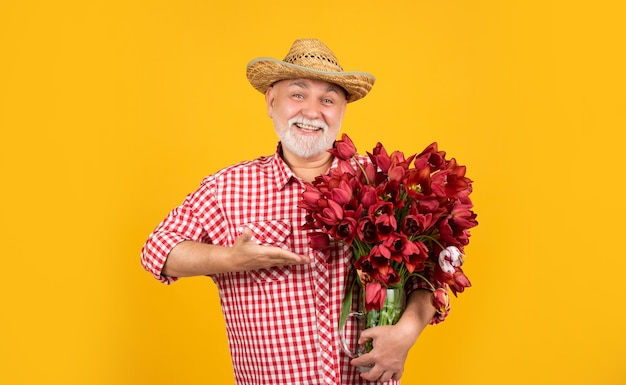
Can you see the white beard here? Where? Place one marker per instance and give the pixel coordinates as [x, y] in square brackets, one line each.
[306, 146]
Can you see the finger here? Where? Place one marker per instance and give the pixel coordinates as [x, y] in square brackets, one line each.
[245, 236]
[386, 376]
[364, 361]
[289, 258]
[366, 335]
[374, 374]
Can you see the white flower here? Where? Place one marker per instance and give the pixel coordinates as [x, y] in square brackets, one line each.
[449, 258]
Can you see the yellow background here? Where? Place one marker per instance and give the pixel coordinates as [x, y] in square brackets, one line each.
[112, 111]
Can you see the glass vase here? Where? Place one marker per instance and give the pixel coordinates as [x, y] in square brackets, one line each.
[389, 314]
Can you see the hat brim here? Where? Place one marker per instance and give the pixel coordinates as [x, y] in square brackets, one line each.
[262, 73]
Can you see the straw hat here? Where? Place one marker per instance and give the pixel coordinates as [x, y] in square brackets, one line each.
[308, 59]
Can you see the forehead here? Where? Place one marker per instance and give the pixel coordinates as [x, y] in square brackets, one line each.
[311, 84]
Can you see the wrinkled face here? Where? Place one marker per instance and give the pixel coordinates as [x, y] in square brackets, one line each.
[307, 115]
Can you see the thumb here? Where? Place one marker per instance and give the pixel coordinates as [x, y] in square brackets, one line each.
[245, 237]
[366, 335]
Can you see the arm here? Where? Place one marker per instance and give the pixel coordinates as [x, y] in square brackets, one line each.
[392, 343]
[194, 240]
[190, 258]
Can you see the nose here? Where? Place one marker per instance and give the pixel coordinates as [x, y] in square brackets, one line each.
[311, 109]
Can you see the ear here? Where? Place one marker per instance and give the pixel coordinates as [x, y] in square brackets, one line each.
[269, 100]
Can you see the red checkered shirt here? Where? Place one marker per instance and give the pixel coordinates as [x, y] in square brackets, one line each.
[281, 322]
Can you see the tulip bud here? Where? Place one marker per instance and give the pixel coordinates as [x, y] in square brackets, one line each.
[319, 241]
[460, 282]
[449, 258]
[344, 149]
[441, 300]
[375, 296]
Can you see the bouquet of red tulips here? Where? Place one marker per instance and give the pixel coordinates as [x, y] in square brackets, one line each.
[402, 217]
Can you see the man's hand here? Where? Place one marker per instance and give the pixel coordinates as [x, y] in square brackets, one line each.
[247, 255]
[391, 347]
[392, 343]
[190, 258]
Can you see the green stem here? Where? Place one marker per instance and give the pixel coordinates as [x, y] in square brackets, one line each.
[403, 272]
[367, 180]
[418, 275]
[428, 237]
[390, 313]
[360, 249]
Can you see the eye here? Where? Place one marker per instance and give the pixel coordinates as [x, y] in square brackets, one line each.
[298, 96]
[327, 101]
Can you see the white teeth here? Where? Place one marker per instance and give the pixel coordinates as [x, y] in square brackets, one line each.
[307, 127]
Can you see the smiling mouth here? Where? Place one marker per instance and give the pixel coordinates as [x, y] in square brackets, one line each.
[308, 127]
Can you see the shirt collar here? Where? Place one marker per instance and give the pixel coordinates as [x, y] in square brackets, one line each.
[282, 173]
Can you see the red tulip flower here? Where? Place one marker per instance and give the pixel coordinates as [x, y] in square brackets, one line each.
[374, 296]
[441, 300]
[344, 149]
[401, 216]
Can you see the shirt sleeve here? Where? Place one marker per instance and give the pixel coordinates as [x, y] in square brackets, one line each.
[182, 223]
[163, 239]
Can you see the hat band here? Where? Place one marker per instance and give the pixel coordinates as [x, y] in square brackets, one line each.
[323, 59]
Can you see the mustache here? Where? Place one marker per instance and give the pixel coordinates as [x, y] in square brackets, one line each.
[315, 123]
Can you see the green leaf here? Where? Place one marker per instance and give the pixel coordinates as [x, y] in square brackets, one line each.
[346, 304]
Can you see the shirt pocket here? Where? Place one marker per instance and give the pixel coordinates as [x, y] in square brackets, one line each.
[275, 234]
